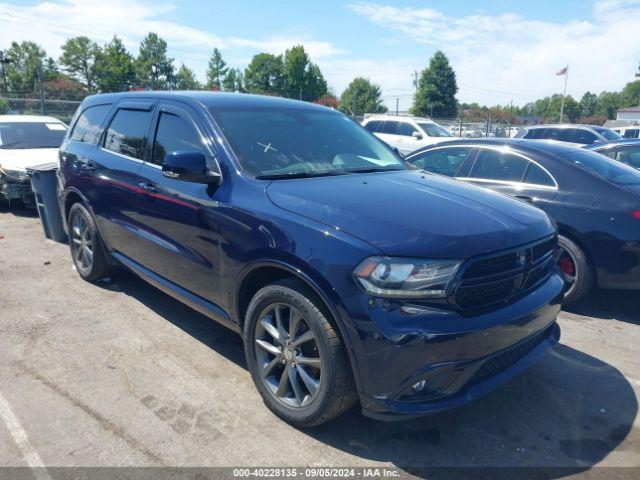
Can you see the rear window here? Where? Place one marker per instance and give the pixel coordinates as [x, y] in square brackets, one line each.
[128, 133]
[615, 172]
[24, 135]
[608, 134]
[87, 128]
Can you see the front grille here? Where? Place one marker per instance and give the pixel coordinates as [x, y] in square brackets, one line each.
[506, 359]
[497, 279]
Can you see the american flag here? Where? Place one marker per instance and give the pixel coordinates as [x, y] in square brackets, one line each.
[562, 71]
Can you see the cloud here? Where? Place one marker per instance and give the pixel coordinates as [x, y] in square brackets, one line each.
[506, 56]
[51, 22]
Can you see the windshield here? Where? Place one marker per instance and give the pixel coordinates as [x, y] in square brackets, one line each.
[604, 167]
[31, 134]
[279, 142]
[608, 134]
[434, 130]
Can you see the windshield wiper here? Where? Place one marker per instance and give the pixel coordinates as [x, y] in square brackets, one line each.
[278, 176]
[372, 170]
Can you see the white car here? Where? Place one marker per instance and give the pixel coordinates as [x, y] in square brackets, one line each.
[406, 133]
[628, 132]
[26, 141]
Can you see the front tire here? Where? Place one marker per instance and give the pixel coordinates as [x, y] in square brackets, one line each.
[87, 251]
[577, 268]
[297, 360]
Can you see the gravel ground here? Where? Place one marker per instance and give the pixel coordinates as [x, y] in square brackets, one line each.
[119, 374]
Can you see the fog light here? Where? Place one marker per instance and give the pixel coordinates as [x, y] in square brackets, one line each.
[417, 387]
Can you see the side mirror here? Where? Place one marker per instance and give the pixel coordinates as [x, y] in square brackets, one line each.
[188, 166]
[416, 135]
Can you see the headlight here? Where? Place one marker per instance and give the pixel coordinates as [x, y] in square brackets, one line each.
[18, 175]
[405, 277]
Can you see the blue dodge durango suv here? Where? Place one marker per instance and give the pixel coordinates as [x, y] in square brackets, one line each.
[348, 276]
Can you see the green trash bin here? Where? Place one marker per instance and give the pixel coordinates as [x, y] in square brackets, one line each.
[44, 183]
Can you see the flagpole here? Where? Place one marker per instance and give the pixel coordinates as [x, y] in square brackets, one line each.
[564, 92]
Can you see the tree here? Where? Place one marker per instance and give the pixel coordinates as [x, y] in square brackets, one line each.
[588, 104]
[154, 68]
[437, 88]
[233, 81]
[26, 60]
[51, 72]
[328, 100]
[608, 104]
[265, 74]
[78, 59]
[360, 97]
[114, 68]
[303, 79]
[186, 79]
[631, 94]
[65, 89]
[217, 70]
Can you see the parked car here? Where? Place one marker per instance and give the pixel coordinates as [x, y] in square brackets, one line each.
[594, 200]
[406, 133]
[575, 134]
[625, 151]
[628, 132]
[26, 140]
[291, 224]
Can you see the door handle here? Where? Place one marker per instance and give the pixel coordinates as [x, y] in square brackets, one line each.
[524, 198]
[148, 187]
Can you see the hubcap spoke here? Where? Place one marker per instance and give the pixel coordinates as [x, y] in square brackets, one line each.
[295, 384]
[271, 330]
[294, 321]
[270, 366]
[284, 383]
[305, 337]
[311, 383]
[312, 362]
[279, 323]
[272, 349]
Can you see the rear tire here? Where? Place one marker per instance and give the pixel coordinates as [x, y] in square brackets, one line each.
[577, 268]
[319, 365]
[87, 250]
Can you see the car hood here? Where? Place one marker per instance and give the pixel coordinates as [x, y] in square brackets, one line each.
[414, 214]
[21, 158]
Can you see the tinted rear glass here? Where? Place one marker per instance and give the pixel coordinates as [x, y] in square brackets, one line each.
[87, 128]
[608, 134]
[615, 172]
[128, 132]
[31, 134]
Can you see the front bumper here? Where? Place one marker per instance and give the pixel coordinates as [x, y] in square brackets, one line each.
[12, 189]
[458, 358]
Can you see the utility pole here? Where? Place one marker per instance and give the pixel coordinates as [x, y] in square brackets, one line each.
[397, 105]
[564, 92]
[415, 79]
[39, 77]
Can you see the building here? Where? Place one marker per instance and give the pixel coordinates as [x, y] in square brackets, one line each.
[629, 114]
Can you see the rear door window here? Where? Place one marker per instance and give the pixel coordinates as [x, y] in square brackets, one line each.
[87, 127]
[495, 165]
[584, 136]
[390, 127]
[373, 126]
[444, 161]
[127, 134]
[535, 133]
[537, 176]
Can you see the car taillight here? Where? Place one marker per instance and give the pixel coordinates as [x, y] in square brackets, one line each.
[636, 214]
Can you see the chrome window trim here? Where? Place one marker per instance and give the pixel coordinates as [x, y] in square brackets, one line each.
[121, 155]
[500, 148]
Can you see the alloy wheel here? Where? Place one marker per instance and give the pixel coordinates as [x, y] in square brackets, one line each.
[82, 243]
[288, 356]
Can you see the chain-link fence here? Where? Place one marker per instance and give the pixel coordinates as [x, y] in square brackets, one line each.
[62, 109]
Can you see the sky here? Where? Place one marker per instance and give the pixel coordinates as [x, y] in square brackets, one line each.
[502, 51]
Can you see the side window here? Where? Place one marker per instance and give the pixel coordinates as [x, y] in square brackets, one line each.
[584, 136]
[495, 165]
[87, 127]
[127, 133]
[406, 129]
[373, 126]
[558, 134]
[608, 152]
[535, 133]
[629, 155]
[631, 133]
[390, 127]
[174, 134]
[537, 176]
[445, 161]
